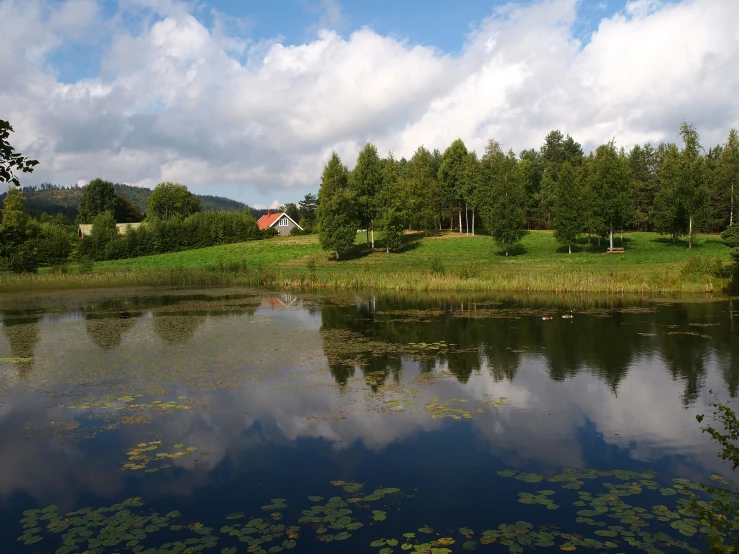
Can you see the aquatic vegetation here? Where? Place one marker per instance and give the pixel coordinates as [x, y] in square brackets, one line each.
[448, 409]
[144, 457]
[16, 360]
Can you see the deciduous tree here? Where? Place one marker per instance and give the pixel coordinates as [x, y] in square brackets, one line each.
[170, 200]
[99, 196]
[10, 160]
[568, 207]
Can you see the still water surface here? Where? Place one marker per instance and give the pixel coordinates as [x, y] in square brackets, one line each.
[234, 421]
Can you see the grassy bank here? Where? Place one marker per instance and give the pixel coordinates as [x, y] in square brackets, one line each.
[445, 261]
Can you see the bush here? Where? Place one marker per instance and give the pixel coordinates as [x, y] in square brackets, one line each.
[437, 266]
[468, 270]
[730, 236]
[158, 236]
[703, 265]
[85, 264]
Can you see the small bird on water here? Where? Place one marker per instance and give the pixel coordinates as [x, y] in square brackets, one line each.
[567, 316]
[547, 317]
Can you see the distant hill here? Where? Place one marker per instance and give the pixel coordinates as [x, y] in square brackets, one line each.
[55, 199]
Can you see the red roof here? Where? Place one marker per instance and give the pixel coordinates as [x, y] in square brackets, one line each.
[266, 221]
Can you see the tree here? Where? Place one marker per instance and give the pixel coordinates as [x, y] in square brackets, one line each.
[291, 210]
[568, 207]
[169, 200]
[611, 190]
[504, 212]
[18, 232]
[730, 170]
[684, 193]
[451, 175]
[10, 160]
[307, 208]
[420, 189]
[336, 212]
[390, 206]
[471, 177]
[99, 196]
[643, 165]
[365, 181]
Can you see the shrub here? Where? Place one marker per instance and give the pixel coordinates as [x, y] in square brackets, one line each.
[730, 236]
[703, 265]
[437, 266]
[468, 270]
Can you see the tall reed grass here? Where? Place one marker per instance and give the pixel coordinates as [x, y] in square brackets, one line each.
[326, 277]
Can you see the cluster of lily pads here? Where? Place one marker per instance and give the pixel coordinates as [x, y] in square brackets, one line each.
[450, 408]
[143, 456]
[615, 522]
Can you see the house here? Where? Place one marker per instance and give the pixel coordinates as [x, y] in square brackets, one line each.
[280, 221]
[85, 229]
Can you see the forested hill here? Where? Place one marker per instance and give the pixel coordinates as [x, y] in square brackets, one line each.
[54, 199]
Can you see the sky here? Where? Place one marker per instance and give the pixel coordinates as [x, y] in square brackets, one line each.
[247, 99]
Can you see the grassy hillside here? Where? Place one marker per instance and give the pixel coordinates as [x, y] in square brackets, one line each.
[446, 261]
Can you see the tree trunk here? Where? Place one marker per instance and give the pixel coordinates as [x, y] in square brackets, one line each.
[440, 217]
[611, 235]
[337, 254]
[506, 252]
[460, 219]
[569, 247]
[598, 240]
[473, 223]
[466, 219]
[373, 236]
[622, 237]
[690, 233]
[731, 215]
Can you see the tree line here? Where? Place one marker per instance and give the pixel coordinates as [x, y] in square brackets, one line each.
[669, 189]
[174, 222]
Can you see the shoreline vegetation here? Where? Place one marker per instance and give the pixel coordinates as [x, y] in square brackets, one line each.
[440, 261]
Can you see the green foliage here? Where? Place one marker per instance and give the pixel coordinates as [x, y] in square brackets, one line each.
[170, 200]
[10, 160]
[307, 209]
[611, 190]
[291, 210]
[338, 226]
[337, 214]
[101, 244]
[684, 195]
[437, 266]
[568, 207]
[730, 236]
[390, 206]
[452, 174]
[721, 513]
[365, 181]
[18, 233]
[503, 210]
[703, 265]
[420, 189]
[199, 230]
[98, 197]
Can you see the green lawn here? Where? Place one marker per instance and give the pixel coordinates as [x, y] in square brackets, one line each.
[651, 263]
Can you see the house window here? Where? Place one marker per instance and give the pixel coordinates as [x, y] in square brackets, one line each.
[283, 222]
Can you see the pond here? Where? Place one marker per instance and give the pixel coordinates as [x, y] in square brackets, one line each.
[231, 421]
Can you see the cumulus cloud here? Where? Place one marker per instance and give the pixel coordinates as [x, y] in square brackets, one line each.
[176, 100]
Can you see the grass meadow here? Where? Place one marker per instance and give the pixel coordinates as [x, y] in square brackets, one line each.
[440, 261]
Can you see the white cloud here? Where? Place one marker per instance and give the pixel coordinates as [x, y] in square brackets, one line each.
[178, 101]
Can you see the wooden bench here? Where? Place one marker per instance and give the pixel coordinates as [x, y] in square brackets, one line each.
[615, 250]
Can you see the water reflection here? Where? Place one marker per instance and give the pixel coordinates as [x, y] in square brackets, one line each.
[343, 384]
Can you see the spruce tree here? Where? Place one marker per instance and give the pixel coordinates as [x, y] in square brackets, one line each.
[336, 209]
[504, 214]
